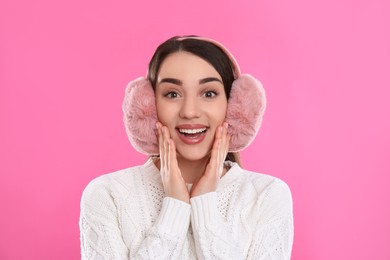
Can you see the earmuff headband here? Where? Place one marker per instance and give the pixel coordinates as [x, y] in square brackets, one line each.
[244, 114]
[236, 67]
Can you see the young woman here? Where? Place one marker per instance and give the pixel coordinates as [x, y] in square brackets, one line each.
[191, 199]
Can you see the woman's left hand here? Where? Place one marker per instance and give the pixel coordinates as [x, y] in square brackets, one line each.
[215, 168]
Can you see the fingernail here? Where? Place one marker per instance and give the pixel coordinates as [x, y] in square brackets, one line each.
[226, 125]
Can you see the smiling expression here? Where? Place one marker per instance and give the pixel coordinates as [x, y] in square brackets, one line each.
[191, 102]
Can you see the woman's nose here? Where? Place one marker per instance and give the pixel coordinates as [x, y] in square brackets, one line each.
[190, 108]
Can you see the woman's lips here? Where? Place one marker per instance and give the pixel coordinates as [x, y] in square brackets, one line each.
[192, 134]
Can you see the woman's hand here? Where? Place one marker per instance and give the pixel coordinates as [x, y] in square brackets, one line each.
[173, 182]
[215, 168]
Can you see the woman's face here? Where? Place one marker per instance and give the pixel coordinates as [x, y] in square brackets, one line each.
[191, 102]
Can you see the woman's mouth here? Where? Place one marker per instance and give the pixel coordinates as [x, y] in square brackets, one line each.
[192, 134]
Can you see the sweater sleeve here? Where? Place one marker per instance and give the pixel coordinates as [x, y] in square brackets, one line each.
[211, 236]
[100, 230]
[273, 235]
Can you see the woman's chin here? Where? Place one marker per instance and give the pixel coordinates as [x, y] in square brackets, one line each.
[193, 154]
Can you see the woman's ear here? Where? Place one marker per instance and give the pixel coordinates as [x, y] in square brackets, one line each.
[140, 116]
[245, 111]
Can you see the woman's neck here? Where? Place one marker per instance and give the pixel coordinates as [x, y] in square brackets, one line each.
[192, 170]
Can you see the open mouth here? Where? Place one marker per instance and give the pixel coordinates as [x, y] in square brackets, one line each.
[192, 132]
[192, 135]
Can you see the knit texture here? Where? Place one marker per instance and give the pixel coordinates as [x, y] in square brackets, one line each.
[125, 215]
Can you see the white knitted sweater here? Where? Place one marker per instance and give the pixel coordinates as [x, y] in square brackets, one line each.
[125, 215]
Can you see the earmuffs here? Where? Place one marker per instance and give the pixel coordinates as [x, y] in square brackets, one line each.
[245, 110]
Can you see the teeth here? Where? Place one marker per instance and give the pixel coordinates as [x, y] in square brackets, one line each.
[192, 131]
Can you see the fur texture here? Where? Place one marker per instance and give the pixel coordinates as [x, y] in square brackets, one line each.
[245, 111]
[140, 116]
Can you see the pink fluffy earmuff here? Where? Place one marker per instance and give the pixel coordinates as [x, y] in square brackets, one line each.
[244, 115]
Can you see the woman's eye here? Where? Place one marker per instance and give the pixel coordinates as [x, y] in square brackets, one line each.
[171, 94]
[210, 94]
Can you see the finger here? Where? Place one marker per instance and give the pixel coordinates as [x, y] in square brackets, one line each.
[215, 157]
[218, 136]
[160, 145]
[172, 157]
[166, 134]
[222, 156]
[163, 151]
[158, 126]
[168, 157]
[223, 147]
[225, 140]
[165, 142]
[227, 144]
[218, 132]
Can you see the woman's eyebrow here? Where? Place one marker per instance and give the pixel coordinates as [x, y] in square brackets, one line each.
[172, 80]
[210, 79]
[180, 83]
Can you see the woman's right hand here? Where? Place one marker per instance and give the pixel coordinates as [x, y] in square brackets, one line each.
[173, 182]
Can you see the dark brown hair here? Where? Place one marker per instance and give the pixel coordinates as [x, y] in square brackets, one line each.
[208, 51]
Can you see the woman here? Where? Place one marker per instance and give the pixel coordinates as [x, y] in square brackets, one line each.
[191, 199]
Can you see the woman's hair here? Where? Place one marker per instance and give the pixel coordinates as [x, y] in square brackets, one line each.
[208, 51]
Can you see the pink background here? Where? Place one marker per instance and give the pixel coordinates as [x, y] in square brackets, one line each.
[325, 66]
